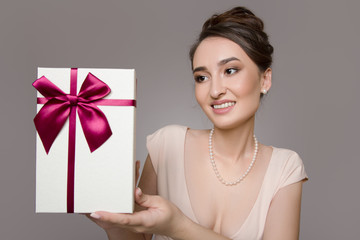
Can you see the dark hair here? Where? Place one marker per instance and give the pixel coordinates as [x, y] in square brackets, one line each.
[241, 26]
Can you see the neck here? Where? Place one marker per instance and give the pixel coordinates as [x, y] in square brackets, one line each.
[235, 144]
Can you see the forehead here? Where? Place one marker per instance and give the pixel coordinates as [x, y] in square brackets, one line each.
[214, 49]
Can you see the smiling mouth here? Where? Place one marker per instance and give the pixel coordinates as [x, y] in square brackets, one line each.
[223, 105]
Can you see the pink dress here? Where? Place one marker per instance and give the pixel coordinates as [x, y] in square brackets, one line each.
[166, 148]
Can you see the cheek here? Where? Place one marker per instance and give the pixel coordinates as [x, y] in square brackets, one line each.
[249, 95]
[200, 94]
[247, 86]
[245, 89]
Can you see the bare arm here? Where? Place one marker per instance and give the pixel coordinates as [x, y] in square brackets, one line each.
[283, 219]
[161, 216]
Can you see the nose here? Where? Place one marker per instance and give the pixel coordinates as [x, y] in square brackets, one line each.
[218, 87]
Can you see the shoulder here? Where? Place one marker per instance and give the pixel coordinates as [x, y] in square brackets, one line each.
[165, 137]
[283, 156]
[197, 134]
[167, 131]
[166, 144]
[290, 165]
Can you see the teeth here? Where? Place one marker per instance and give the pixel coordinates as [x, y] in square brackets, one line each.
[224, 105]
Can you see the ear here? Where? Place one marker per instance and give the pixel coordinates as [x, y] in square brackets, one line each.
[266, 79]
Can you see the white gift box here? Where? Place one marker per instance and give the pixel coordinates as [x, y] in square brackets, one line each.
[104, 180]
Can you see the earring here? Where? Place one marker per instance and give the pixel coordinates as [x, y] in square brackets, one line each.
[264, 91]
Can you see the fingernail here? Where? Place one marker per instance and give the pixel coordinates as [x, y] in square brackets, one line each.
[138, 191]
[94, 215]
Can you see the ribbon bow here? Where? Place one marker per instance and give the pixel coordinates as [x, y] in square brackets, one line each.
[52, 116]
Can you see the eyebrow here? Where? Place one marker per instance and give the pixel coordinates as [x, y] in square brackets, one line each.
[226, 60]
[199, 69]
[222, 62]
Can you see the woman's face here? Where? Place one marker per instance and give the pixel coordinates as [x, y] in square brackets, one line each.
[228, 83]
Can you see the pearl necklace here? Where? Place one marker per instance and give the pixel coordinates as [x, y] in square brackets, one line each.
[216, 171]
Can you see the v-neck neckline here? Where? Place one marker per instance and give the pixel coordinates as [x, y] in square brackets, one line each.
[194, 218]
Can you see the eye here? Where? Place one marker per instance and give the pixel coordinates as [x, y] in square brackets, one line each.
[231, 71]
[200, 78]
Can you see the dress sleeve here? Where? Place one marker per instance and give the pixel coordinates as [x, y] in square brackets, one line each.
[293, 171]
[164, 143]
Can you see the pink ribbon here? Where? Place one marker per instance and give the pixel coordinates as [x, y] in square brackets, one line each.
[58, 106]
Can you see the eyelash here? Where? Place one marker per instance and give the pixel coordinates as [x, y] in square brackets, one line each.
[202, 78]
[198, 78]
[235, 70]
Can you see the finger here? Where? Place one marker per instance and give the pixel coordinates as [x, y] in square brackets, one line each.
[88, 215]
[95, 215]
[124, 220]
[109, 217]
[92, 216]
[96, 219]
[144, 200]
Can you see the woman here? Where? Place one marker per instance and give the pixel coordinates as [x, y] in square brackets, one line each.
[219, 183]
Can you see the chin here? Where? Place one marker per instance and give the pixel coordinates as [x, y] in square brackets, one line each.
[227, 123]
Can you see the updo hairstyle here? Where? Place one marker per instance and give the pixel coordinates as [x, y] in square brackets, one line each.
[241, 26]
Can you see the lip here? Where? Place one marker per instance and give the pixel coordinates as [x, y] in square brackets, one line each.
[222, 110]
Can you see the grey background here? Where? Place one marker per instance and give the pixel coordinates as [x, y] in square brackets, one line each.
[311, 108]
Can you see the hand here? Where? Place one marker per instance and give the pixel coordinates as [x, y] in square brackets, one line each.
[161, 217]
[107, 226]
